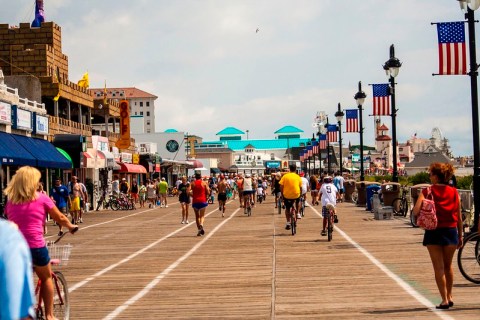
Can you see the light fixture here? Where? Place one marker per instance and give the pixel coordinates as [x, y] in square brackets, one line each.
[100, 106]
[392, 65]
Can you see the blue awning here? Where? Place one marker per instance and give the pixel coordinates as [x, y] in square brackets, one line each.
[46, 154]
[12, 154]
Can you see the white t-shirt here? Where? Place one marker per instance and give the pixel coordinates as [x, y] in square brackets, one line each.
[305, 185]
[328, 191]
[247, 184]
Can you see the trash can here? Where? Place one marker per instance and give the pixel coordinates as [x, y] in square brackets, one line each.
[349, 186]
[390, 191]
[415, 191]
[362, 191]
[371, 190]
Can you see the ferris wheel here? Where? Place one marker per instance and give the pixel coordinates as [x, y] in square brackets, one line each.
[437, 136]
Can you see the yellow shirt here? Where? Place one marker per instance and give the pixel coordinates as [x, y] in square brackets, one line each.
[292, 184]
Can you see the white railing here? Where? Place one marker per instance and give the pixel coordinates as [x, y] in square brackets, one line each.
[23, 103]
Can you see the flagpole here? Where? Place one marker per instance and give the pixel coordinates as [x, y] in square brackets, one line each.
[360, 99]
[328, 151]
[475, 126]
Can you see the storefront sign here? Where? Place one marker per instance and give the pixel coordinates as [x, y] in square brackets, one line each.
[5, 113]
[22, 119]
[136, 158]
[124, 141]
[272, 164]
[126, 157]
[40, 124]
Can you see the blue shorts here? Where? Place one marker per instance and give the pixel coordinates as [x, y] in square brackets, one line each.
[441, 237]
[199, 205]
[325, 212]
[40, 257]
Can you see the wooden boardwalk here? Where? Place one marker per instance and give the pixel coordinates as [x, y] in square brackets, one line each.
[144, 264]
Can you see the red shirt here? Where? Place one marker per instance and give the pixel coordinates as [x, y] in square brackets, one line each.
[446, 204]
[199, 192]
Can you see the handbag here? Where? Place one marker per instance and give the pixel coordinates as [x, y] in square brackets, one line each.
[428, 215]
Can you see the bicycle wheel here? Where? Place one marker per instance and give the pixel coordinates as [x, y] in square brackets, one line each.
[405, 206]
[115, 205]
[468, 258]
[413, 221]
[293, 222]
[279, 205]
[354, 197]
[61, 303]
[249, 211]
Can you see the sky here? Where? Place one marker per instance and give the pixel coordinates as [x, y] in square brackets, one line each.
[210, 68]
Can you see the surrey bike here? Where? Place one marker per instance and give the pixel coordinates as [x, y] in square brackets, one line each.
[59, 255]
[331, 219]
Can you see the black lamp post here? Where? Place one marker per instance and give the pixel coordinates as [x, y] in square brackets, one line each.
[328, 150]
[339, 115]
[360, 98]
[470, 16]
[314, 143]
[309, 148]
[392, 67]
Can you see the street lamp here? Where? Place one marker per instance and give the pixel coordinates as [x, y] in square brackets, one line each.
[309, 152]
[339, 115]
[360, 98]
[392, 67]
[469, 6]
[314, 144]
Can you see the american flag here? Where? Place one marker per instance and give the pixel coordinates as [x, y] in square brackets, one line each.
[381, 99]
[351, 116]
[323, 141]
[332, 132]
[315, 147]
[452, 53]
[301, 155]
[310, 151]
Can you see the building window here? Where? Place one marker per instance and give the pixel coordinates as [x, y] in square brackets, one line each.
[148, 130]
[148, 113]
[141, 103]
[148, 123]
[141, 113]
[135, 112]
[135, 102]
[148, 103]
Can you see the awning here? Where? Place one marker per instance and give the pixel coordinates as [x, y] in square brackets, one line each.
[92, 160]
[72, 144]
[109, 159]
[46, 154]
[131, 168]
[65, 154]
[13, 154]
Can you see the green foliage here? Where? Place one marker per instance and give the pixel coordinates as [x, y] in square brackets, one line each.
[464, 182]
[421, 177]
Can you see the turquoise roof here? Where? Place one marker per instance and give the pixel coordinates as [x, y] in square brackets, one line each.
[288, 129]
[171, 131]
[271, 144]
[229, 131]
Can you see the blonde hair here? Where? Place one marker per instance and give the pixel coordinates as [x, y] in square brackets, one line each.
[23, 186]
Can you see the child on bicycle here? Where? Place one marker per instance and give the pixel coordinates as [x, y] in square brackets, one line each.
[328, 195]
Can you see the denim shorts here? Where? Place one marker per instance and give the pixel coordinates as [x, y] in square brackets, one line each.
[441, 237]
[40, 257]
[199, 205]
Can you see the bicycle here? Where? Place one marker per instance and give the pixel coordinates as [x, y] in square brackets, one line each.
[59, 255]
[331, 217]
[468, 257]
[302, 206]
[248, 205]
[293, 219]
[354, 196]
[400, 205]
[279, 203]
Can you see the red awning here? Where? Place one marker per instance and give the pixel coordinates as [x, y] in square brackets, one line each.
[131, 168]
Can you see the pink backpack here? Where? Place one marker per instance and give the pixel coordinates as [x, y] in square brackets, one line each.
[427, 219]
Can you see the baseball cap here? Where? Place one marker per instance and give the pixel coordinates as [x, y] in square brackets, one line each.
[247, 175]
[123, 179]
[163, 179]
[302, 174]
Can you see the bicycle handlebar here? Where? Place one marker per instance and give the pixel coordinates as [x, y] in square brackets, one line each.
[63, 235]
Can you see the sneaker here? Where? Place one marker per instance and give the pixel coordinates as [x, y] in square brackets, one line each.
[60, 233]
[183, 221]
[335, 219]
[203, 231]
[81, 220]
[299, 216]
[324, 232]
[199, 233]
[287, 226]
[245, 211]
[166, 206]
[186, 221]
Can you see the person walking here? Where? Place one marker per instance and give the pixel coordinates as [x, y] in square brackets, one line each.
[162, 189]
[222, 188]
[442, 242]
[134, 191]
[200, 192]
[75, 196]
[184, 198]
[142, 192]
[151, 193]
[83, 200]
[28, 208]
[59, 195]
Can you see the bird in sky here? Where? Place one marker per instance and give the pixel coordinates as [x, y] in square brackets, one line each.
[256, 31]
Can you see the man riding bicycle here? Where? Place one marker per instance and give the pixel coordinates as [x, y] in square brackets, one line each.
[290, 186]
[328, 194]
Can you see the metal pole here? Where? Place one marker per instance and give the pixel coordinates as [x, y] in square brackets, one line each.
[328, 151]
[340, 140]
[475, 126]
[394, 131]
[313, 154]
[362, 173]
[319, 157]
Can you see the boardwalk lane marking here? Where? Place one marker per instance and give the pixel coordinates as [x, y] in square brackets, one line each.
[405, 286]
[130, 257]
[166, 271]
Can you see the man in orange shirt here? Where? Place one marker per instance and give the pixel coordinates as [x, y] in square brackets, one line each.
[291, 186]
